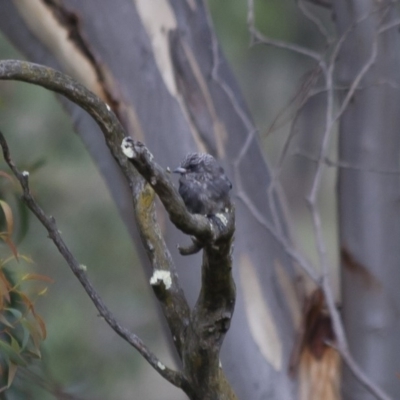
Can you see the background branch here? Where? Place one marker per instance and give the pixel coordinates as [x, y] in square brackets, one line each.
[79, 270]
[328, 68]
[198, 336]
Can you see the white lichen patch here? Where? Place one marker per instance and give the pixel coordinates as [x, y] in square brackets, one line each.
[83, 267]
[25, 173]
[127, 147]
[160, 365]
[161, 276]
[222, 218]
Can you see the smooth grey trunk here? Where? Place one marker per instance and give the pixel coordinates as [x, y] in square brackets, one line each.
[369, 206]
[209, 120]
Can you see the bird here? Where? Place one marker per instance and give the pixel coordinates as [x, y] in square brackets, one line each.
[203, 185]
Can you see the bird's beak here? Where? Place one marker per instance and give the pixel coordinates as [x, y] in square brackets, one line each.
[179, 170]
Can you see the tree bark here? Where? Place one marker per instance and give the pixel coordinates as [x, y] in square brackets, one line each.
[154, 63]
[369, 194]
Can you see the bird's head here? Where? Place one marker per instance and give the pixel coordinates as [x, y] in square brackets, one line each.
[196, 163]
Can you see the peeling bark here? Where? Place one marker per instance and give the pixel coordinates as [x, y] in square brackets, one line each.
[122, 45]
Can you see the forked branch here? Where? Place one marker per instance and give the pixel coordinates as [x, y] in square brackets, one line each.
[79, 270]
[197, 335]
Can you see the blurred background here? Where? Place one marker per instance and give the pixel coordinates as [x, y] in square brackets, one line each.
[82, 356]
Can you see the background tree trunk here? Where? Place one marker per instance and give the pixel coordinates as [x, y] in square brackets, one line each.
[168, 97]
[369, 197]
[159, 66]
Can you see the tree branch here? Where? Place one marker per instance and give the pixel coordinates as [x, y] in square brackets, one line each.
[322, 3]
[58, 82]
[174, 304]
[258, 38]
[191, 224]
[79, 270]
[211, 316]
[327, 67]
[198, 335]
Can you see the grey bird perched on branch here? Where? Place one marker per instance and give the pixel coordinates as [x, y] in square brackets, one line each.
[203, 185]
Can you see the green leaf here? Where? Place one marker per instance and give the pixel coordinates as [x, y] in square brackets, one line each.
[24, 218]
[25, 337]
[34, 332]
[7, 351]
[15, 345]
[15, 312]
[4, 321]
[12, 370]
[8, 216]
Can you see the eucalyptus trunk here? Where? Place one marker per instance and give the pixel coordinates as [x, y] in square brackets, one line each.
[369, 207]
[159, 66]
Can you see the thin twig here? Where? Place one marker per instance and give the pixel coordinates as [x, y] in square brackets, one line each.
[174, 377]
[390, 25]
[258, 38]
[345, 165]
[174, 304]
[251, 137]
[275, 173]
[322, 3]
[330, 120]
[356, 82]
[295, 255]
[358, 373]
[315, 20]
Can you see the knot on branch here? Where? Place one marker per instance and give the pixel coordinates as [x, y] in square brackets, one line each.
[135, 150]
[161, 281]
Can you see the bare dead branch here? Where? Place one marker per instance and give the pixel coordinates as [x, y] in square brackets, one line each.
[114, 133]
[362, 378]
[223, 85]
[302, 96]
[60, 83]
[392, 24]
[330, 120]
[345, 165]
[357, 80]
[293, 253]
[358, 373]
[198, 335]
[315, 20]
[322, 3]
[174, 377]
[327, 68]
[258, 38]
